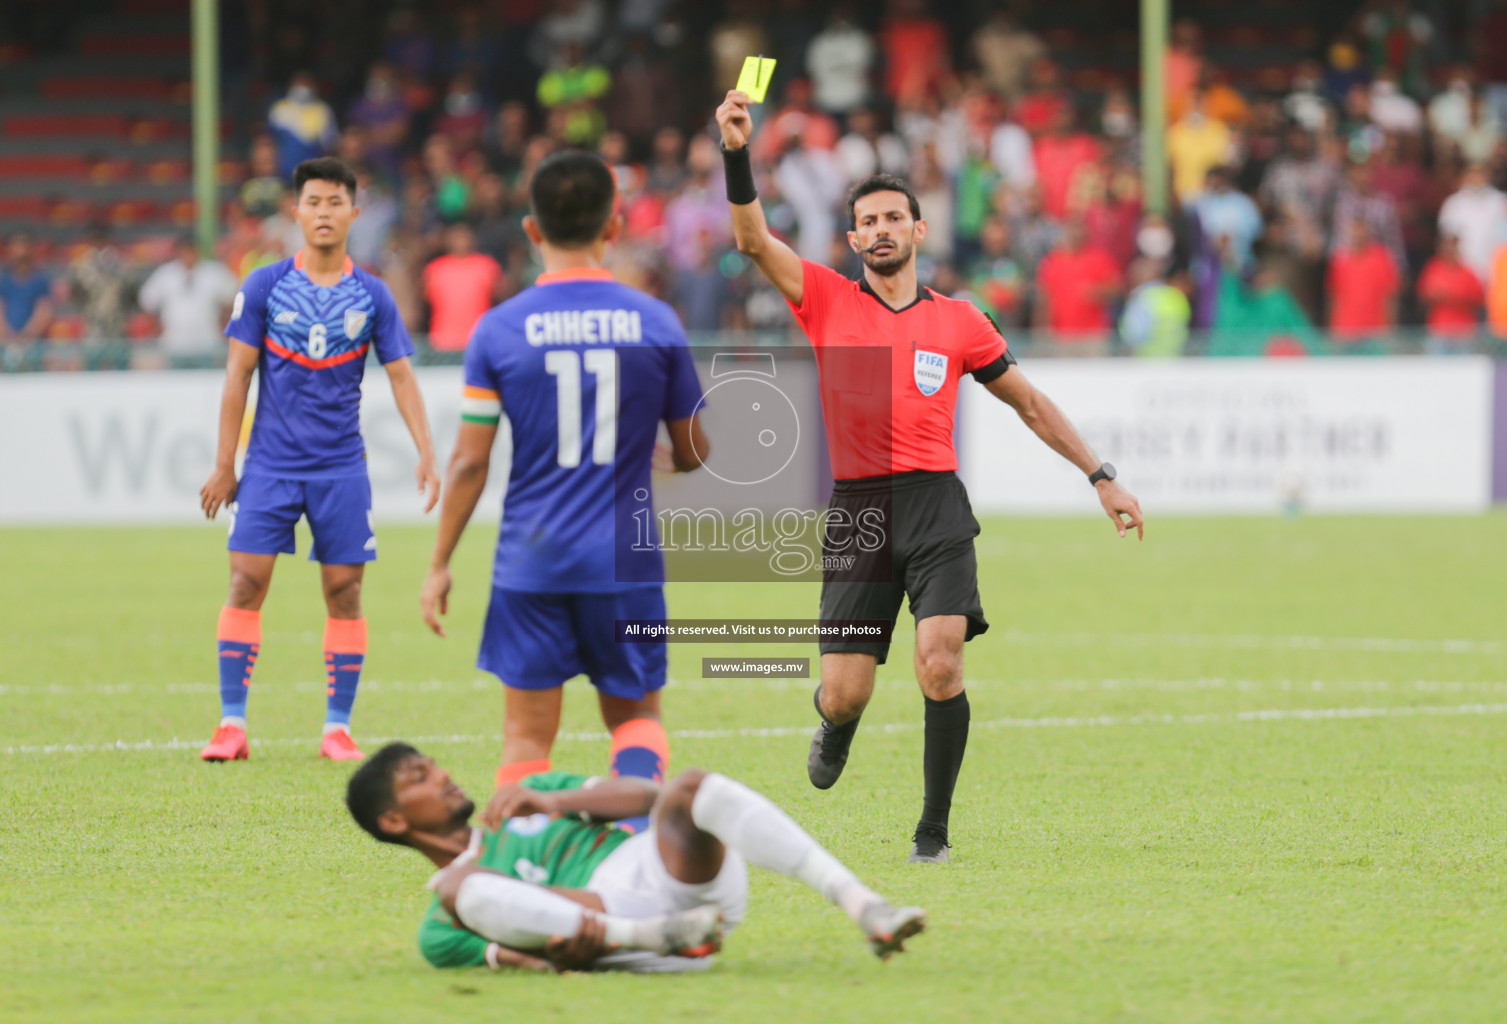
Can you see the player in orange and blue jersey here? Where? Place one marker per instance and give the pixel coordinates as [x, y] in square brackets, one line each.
[307, 324]
[586, 370]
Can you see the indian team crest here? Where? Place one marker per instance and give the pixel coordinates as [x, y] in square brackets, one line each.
[930, 371]
[355, 319]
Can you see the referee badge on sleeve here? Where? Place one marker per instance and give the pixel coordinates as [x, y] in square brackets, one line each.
[930, 371]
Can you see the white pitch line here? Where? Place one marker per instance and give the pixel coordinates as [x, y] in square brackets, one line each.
[777, 732]
[1112, 684]
[1255, 641]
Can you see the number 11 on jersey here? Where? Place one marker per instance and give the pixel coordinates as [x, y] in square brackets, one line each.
[565, 367]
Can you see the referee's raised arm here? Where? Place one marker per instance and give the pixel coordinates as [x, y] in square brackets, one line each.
[776, 259]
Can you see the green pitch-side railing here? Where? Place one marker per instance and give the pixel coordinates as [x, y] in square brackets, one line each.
[118, 354]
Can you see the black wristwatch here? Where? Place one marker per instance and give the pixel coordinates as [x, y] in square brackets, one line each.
[1104, 472]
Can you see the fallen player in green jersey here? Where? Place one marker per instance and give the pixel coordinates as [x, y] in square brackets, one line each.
[548, 873]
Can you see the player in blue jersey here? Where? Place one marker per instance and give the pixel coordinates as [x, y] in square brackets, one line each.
[586, 370]
[306, 324]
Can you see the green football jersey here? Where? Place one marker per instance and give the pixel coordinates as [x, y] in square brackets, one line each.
[560, 851]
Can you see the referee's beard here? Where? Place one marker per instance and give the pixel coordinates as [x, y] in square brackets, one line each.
[891, 263]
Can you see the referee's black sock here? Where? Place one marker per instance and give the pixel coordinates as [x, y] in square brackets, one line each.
[946, 739]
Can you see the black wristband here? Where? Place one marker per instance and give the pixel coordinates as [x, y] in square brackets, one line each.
[739, 173]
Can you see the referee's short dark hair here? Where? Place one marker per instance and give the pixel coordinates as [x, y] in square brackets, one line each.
[324, 168]
[572, 193]
[881, 183]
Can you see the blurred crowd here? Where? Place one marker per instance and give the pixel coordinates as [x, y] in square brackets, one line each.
[1314, 210]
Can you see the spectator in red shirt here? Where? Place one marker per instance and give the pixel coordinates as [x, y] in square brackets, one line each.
[797, 119]
[1076, 283]
[459, 286]
[1363, 286]
[916, 50]
[1044, 99]
[1060, 154]
[1452, 297]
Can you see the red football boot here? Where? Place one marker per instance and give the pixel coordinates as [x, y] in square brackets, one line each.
[337, 745]
[229, 744]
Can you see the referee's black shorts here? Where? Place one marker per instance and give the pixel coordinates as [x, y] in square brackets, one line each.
[928, 555]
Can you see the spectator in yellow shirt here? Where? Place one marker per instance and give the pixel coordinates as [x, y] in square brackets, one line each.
[1196, 143]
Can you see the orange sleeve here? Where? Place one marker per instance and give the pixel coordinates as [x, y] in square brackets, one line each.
[817, 284]
[982, 341]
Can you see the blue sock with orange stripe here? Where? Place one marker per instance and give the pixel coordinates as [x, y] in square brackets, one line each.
[640, 749]
[239, 634]
[344, 656]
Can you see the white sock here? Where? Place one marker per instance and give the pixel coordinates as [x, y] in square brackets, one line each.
[767, 837]
[522, 915]
[235, 720]
[330, 727]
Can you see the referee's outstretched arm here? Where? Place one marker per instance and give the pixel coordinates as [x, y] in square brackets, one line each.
[1050, 424]
[777, 260]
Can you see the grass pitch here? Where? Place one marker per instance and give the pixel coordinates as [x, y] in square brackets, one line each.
[1249, 770]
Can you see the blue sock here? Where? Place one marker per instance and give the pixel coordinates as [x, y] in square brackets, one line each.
[239, 635]
[344, 655]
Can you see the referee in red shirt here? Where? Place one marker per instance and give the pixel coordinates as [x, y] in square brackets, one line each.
[891, 450]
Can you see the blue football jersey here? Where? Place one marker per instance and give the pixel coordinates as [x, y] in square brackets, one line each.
[313, 345]
[585, 369]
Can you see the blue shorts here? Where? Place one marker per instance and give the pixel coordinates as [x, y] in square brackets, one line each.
[266, 508]
[538, 641]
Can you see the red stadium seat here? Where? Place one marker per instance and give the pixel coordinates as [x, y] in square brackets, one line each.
[156, 44]
[69, 87]
[22, 206]
[43, 166]
[55, 125]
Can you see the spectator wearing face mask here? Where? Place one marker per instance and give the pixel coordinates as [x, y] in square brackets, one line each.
[1306, 104]
[1391, 108]
[382, 112]
[302, 124]
[463, 115]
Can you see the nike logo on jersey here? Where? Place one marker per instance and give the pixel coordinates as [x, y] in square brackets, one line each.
[286, 317]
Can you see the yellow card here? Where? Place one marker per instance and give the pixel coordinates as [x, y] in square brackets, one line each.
[755, 77]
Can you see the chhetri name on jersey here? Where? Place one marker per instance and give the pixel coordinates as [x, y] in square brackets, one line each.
[583, 327]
